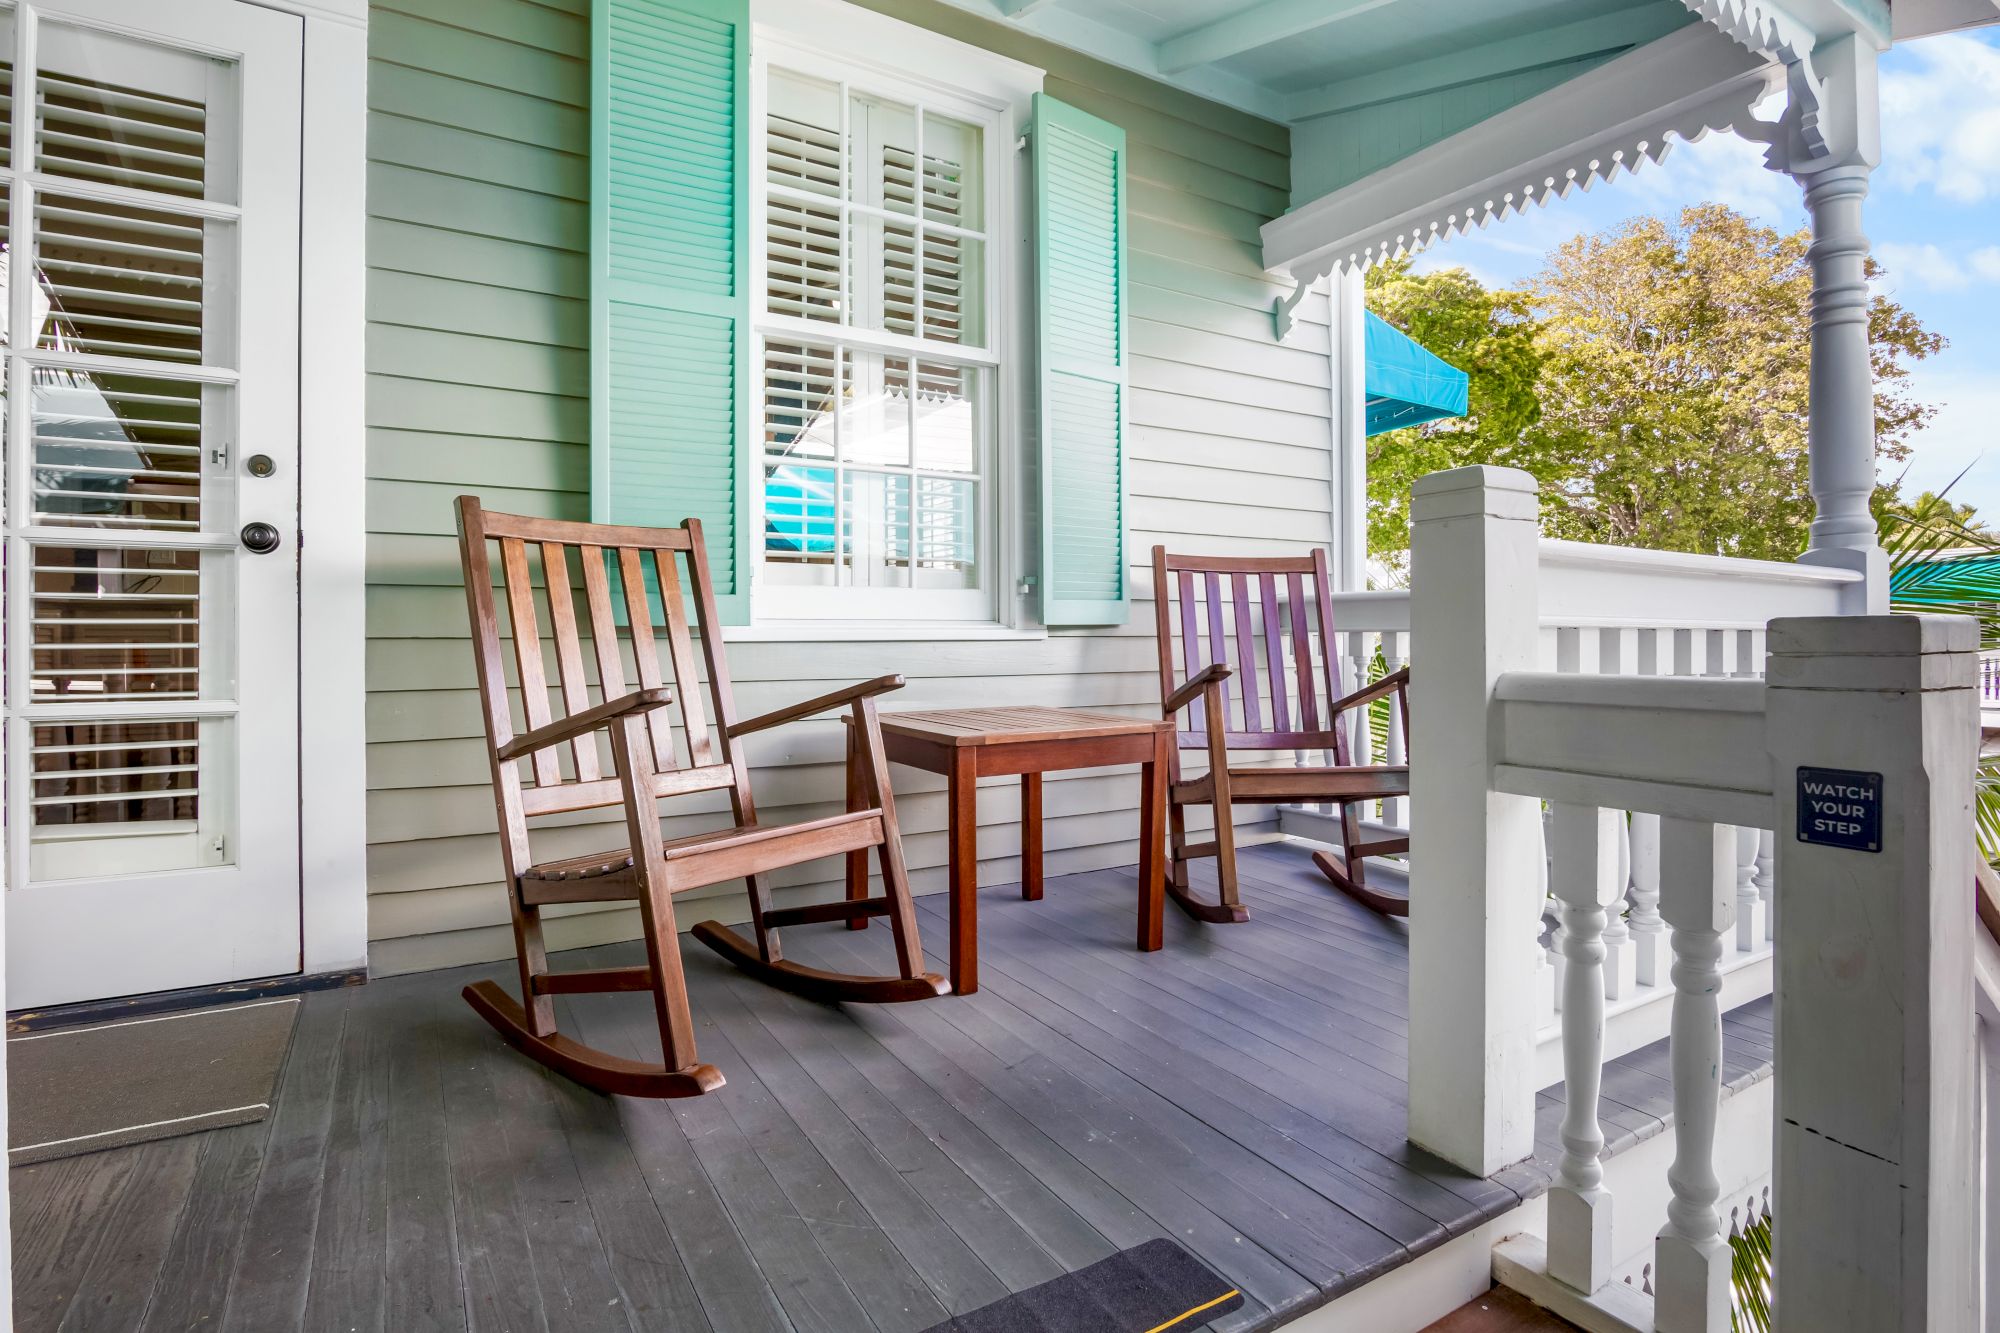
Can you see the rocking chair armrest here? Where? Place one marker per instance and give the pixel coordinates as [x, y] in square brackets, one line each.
[590, 719]
[1194, 687]
[1368, 694]
[839, 698]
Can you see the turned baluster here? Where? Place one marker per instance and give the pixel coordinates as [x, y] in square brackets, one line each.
[1584, 876]
[1396, 809]
[1691, 1269]
[1750, 924]
[1766, 887]
[1649, 932]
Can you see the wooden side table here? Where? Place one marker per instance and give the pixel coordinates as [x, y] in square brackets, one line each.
[967, 744]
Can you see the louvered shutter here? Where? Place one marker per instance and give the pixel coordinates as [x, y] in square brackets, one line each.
[1080, 289]
[670, 271]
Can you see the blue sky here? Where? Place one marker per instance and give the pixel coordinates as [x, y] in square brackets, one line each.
[1933, 215]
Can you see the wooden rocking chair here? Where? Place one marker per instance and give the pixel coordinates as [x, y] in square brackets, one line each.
[1221, 638]
[646, 766]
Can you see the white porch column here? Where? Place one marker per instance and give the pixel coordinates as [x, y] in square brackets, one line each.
[1475, 903]
[1841, 435]
[1350, 429]
[1876, 1179]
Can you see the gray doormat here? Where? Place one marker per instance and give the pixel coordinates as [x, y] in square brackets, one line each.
[78, 1090]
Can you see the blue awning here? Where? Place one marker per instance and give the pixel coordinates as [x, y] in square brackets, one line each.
[1407, 385]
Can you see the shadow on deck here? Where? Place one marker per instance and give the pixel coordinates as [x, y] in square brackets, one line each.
[1241, 1091]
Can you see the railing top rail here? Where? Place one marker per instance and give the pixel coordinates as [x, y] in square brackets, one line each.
[1554, 551]
[1382, 611]
[1658, 693]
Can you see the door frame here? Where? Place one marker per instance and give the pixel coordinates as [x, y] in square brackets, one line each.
[333, 450]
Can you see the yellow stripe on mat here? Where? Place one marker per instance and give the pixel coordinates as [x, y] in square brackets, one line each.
[1189, 1314]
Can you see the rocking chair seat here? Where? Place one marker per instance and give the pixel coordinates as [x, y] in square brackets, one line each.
[1345, 783]
[611, 874]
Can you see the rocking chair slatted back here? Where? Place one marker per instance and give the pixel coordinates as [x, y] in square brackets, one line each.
[1226, 607]
[560, 552]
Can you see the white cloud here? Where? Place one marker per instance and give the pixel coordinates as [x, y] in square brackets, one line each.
[1958, 439]
[1921, 266]
[1934, 268]
[1941, 118]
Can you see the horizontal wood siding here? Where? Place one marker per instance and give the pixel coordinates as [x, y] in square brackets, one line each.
[478, 375]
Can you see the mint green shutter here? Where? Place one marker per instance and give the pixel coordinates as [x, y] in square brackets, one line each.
[670, 268]
[1080, 290]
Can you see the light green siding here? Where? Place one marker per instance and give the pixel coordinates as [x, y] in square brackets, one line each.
[479, 381]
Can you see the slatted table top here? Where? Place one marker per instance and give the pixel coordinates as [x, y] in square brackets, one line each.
[1015, 725]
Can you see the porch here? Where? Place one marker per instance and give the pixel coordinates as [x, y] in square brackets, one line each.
[1243, 1092]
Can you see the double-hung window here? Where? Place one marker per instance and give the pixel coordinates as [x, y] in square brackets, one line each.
[877, 222]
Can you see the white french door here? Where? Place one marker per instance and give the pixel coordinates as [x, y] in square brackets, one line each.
[151, 177]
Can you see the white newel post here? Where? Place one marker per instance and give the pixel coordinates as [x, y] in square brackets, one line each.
[1584, 876]
[1474, 908]
[1691, 1258]
[1876, 1183]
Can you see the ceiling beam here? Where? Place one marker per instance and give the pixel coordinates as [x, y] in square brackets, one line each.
[1020, 9]
[1260, 25]
[1604, 34]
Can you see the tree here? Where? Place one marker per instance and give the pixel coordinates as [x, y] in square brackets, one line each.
[1671, 366]
[1488, 334]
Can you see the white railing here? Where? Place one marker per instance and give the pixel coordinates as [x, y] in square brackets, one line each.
[1876, 1029]
[1614, 611]
[1989, 680]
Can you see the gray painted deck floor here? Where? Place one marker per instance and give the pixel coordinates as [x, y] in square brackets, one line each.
[865, 1168]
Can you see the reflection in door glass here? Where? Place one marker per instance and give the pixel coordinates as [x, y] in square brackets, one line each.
[112, 624]
[127, 797]
[117, 451]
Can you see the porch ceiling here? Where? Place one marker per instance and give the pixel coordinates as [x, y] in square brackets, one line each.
[1292, 60]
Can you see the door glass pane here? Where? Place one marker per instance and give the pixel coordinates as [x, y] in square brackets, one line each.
[116, 280]
[118, 451]
[129, 797]
[121, 112]
[115, 624]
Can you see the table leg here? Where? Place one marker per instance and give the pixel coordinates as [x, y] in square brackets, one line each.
[962, 785]
[1031, 837]
[1152, 823]
[857, 799]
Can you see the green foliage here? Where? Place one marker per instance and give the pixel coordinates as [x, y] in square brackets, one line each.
[1653, 378]
[1491, 336]
[1750, 1276]
[1942, 562]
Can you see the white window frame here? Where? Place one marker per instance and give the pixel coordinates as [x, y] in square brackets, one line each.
[840, 43]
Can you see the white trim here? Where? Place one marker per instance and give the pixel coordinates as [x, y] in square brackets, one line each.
[333, 529]
[1682, 86]
[353, 13]
[832, 40]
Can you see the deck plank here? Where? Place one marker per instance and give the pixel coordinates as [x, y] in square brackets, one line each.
[421, 1262]
[121, 1267]
[274, 1262]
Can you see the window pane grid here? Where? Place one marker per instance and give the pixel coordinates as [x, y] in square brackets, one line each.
[875, 432]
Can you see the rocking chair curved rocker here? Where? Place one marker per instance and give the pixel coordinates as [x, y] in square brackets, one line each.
[1245, 617]
[649, 762]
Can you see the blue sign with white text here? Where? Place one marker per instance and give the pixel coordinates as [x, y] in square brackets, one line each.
[1839, 807]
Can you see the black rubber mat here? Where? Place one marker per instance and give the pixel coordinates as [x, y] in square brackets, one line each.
[1157, 1287]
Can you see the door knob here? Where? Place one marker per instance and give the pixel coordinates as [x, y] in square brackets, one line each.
[260, 538]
